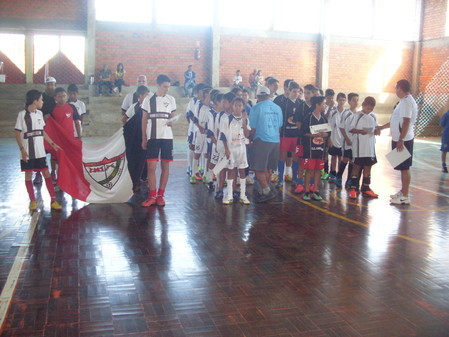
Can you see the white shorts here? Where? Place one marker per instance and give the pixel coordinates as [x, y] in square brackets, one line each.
[200, 143]
[215, 156]
[238, 157]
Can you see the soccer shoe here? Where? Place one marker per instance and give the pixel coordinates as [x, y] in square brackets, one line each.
[160, 200]
[193, 180]
[279, 184]
[244, 200]
[150, 201]
[205, 180]
[338, 182]
[299, 188]
[400, 201]
[353, 193]
[274, 177]
[397, 195]
[33, 205]
[55, 206]
[316, 196]
[370, 194]
[288, 177]
[210, 186]
[37, 179]
[249, 180]
[198, 176]
[444, 169]
[219, 194]
[306, 196]
[228, 199]
[325, 176]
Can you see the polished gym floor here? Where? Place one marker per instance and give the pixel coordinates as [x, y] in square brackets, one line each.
[198, 268]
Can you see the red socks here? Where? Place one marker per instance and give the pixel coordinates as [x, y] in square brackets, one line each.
[50, 188]
[160, 192]
[30, 190]
[153, 194]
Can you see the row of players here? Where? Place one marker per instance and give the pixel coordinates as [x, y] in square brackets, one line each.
[220, 126]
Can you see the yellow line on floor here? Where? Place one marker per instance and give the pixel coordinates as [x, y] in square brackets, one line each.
[342, 217]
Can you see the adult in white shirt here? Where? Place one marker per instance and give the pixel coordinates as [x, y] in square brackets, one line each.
[402, 125]
[132, 97]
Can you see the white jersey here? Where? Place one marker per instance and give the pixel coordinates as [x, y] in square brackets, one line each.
[364, 145]
[81, 108]
[406, 108]
[189, 110]
[128, 100]
[158, 116]
[31, 127]
[346, 123]
[334, 121]
[232, 132]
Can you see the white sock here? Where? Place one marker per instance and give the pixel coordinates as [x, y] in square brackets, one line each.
[288, 170]
[242, 187]
[229, 187]
[195, 166]
[190, 159]
[209, 175]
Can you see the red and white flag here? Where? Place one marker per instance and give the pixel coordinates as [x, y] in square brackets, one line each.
[91, 172]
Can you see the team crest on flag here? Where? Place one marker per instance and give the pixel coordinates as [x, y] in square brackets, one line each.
[108, 171]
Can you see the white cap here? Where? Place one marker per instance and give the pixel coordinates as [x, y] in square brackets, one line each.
[50, 80]
[263, 91]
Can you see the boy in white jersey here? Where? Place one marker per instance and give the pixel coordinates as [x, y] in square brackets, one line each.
[363, 148]
[157, 138]
[234, 134]
[336, 139]
[30, 137]
[345, 127]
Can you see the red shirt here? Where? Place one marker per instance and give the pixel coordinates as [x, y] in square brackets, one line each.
[65, 116]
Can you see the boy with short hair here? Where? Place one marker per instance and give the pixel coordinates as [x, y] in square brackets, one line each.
[336, 139]
[157, 138]
[363, 149]
[444, 140]
[72, 92]
[234, 135]
[345, 126]
[314, 148]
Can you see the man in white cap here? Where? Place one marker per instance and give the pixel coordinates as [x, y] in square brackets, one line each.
[48, 97]
[133, 97]
[266, 120]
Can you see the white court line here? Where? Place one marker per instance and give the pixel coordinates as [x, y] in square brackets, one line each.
[14, 273]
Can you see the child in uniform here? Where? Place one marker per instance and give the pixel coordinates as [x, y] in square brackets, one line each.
[336, 139]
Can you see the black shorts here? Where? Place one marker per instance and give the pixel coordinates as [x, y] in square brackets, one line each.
[34, 165]
[335, 151]
[406, 164]
[164, 147]
[347, 154]
[365, 161]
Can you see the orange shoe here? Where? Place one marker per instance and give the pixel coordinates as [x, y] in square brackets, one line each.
[352, 193]
[370, 194]
[150, 201]
[160, 200]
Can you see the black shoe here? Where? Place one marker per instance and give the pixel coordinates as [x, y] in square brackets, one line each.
[445, 169]
[219, 194]
[266, 197]
[210, 186]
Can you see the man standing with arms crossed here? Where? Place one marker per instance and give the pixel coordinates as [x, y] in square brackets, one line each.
[402, 125]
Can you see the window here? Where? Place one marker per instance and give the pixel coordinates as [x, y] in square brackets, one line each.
[124, 11]
[351, 18]
[193, 12]
[249, 14]
[13, 46]
[295, 16]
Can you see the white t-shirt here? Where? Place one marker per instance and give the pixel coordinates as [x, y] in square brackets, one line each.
[232, 128]
[237, 80]
[407, 108]
[81, 108]
[346, 123]
[131, 111]
[334, 121]
[127, 101]
[364, 145]
[32, 133]
[191, 107]
[157, 121]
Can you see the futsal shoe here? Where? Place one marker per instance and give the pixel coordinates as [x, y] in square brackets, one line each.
[279, 184]
[288, 178]
[219, 194]
[306, 196]
[370, 194]
[228, 199]
[244, 200]
[445, 169]
[353, 193]
[324, 175]
[160, 200]
[397, 195]
[193, 180]
[33, 205]
[149, 202]
[299, 188]
[55, 206]
[316, 196]
[198, 177]
[274, 177]
[400, 201]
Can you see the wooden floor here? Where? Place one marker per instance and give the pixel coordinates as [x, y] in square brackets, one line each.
[198, 268]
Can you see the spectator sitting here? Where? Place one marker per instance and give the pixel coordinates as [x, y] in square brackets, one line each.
[119, 78]
[189, 81]
[105, 79]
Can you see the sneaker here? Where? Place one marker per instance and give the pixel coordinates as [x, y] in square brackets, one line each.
[37, 179]
[244, 200]
[56, 206]
[193, 180]
[325, 176]
[274, 177]
[370, 194]
[210, 186]
[353, 193]
[219, 194]
[306, 196]
[266, 197]
[288, 177]
[160, 200]
[338, 182]
[150, 201]
[316, 196]
[397, 195]
[279, 184]
[311, 188]
[228, 199]
[33, 205]
[445, 169]
[400, 201]
[249, 180]
[198, 177]
[299, 188]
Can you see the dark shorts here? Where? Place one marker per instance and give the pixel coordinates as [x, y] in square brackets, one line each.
[347, 154]
[335, 151]
[164, 147]
[444, 143]
[406, 164]
[365, 161]
[264, 156]
[34, 165]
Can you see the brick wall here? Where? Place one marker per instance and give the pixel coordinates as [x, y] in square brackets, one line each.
[275, 57]
[435, 69]
[153, 53]
[44, 9]
[368, 68]
[434, 21]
